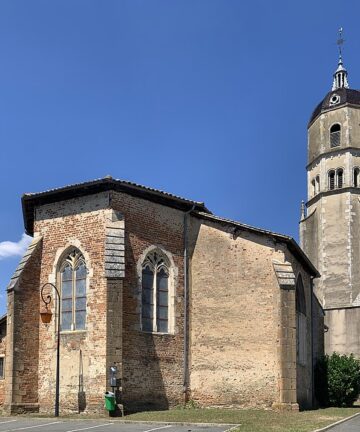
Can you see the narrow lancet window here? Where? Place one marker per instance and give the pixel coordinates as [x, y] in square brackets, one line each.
[73, 291]
[335, 132]
[340, 178]
[317, 184]
[155, 293]
[331, 180]
[356, 177]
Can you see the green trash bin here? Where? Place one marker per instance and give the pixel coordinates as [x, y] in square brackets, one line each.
[110, 401]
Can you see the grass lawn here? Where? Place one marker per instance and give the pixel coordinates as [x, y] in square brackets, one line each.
[252, 420]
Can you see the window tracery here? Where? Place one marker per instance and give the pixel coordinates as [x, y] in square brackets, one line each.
[72, 275]
[155, 292]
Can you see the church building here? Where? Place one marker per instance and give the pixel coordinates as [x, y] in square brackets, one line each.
[182, 304]
[330, 230]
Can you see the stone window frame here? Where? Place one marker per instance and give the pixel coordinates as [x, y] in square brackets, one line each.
[172, 282]
[335, 136]
[331, 171]
[315, 184]
[335, 172]
[313, 187]
[72, 243]
[338, 186]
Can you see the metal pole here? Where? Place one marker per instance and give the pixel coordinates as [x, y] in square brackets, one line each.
[47, 301]
[57, 391]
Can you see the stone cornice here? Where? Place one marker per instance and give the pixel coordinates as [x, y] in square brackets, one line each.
[331, 152]
[317, 197]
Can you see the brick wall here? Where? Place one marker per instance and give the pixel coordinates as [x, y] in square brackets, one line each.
[22, 341]
[77, 222]
[152, 363]
[3, 355]
[238, 314]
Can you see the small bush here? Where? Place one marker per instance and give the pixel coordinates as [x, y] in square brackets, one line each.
[190, 404]
[337, 380]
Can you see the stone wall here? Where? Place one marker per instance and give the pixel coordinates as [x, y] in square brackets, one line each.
[304, 372]
[235, 318]
[344, 330]
[319, 131]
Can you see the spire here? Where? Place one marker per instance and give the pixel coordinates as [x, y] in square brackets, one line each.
[340, 75]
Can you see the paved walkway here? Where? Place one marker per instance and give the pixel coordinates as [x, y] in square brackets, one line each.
[12, 424]
[352, 425]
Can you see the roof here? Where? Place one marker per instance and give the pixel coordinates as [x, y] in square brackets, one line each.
[22, 264]
[347, 97]
[293, 247]
[32, 200]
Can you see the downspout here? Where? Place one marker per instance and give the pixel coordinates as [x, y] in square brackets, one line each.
[186, 305]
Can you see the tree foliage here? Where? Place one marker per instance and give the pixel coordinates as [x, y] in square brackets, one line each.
[337, 380]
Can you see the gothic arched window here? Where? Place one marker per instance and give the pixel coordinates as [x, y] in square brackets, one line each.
[155, 293]
[72, 275]
[356, 177]
[317, 184]
[300, 321]
[335, 133]
[340, 178]
[331, 180]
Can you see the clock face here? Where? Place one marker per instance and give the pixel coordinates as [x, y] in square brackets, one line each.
[334, 100]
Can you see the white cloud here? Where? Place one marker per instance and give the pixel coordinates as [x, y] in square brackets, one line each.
[10, 249]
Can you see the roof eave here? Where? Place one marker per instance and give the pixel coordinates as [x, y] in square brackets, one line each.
[30, 201]
[291, 243]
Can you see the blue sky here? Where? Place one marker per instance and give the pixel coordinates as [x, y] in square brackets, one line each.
[207, 99]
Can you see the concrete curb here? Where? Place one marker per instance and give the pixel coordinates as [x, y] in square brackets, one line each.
[332, 425]
[184, 423]
[150, 422]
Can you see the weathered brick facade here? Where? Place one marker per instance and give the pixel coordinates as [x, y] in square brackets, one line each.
[237, 345]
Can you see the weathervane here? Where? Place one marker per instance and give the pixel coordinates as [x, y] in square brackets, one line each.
[340, 75]
[340, 42]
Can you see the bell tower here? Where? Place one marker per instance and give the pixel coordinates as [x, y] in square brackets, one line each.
[330, 221]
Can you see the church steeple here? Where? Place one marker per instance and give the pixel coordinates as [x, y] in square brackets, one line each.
[330, 232]
[340, 75]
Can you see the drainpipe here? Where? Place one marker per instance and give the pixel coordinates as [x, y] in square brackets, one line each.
[186, 301]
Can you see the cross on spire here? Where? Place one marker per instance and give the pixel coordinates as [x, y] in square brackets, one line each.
[340, 42]
[340, 75]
